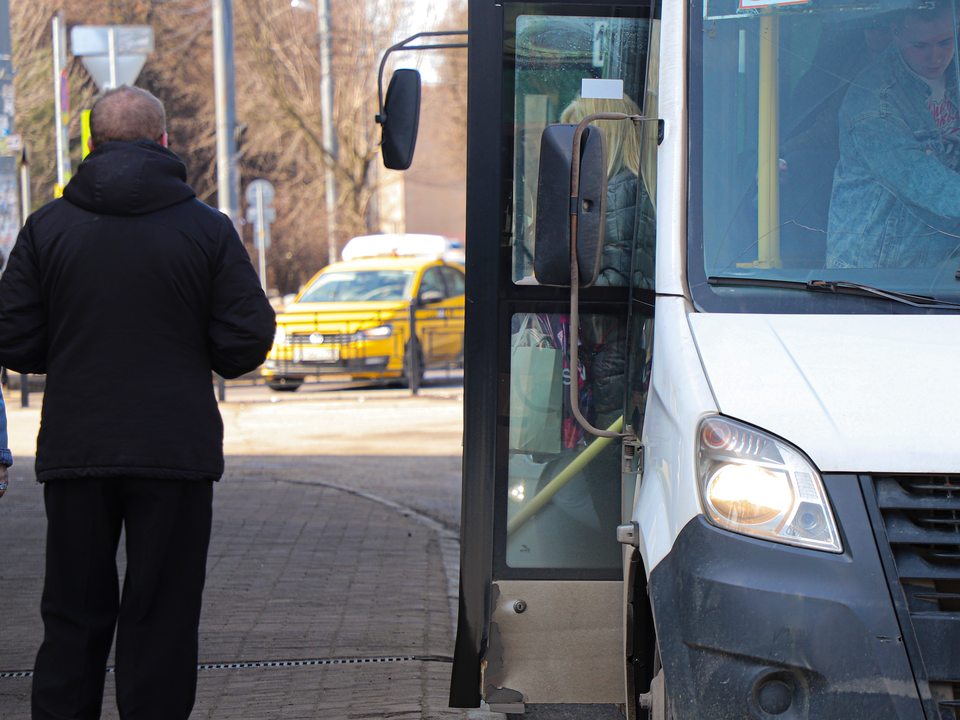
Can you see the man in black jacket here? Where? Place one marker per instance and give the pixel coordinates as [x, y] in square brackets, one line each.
[127, 292]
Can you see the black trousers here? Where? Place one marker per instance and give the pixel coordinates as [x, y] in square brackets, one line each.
[167, 525]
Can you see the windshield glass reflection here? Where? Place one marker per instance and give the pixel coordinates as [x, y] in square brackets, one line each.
[362, 286]
[830, 147]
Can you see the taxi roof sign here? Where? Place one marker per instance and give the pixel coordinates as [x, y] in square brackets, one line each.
[403, 245]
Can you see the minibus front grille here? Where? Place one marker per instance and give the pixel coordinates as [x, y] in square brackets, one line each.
[922, 521]
[916, 520]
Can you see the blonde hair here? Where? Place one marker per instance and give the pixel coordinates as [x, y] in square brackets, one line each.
[623, 137]
[126, 114]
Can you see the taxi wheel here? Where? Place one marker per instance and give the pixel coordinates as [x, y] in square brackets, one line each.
[284, 384]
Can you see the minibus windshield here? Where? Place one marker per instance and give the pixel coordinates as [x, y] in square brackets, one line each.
[824, 153]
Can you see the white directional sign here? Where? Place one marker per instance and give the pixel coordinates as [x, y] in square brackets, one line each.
[260, 194]
[269, 215]
[258, 187]
[113, 54]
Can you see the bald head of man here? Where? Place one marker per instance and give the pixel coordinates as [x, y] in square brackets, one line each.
[127, 114]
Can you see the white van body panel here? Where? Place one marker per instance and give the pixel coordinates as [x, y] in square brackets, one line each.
[856, 393]
[679, 396]
[672, 153]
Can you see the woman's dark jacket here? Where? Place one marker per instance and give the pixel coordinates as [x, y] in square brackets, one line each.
[626, 230]
[127, 292]
[603, 337]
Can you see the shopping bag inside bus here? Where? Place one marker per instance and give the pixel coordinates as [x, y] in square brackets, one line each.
[536, 389]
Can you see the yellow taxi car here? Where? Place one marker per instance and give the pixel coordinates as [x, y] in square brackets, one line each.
[353, 317]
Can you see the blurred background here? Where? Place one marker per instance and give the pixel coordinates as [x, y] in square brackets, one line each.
[278, 129]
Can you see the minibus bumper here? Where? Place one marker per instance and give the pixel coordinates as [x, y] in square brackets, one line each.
[754, 629]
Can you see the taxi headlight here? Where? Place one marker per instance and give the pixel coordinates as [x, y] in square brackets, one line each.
[375, 333]
[754, 484]
[280, 336]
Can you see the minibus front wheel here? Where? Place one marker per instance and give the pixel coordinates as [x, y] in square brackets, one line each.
[656, 702]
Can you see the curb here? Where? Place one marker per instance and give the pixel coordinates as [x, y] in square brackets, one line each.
[450, 554]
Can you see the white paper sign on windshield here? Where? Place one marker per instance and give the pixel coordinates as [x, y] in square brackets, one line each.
[754, 4]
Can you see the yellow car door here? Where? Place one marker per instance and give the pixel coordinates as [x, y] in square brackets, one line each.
[455, 283]
[439, 319]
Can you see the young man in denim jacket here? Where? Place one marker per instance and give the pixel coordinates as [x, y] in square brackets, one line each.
[896, 191]
[6, 459]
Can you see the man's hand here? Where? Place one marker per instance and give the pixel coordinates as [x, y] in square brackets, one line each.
[3, 480]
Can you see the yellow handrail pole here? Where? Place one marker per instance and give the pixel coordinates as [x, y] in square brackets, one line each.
[544, 496]
[768, 146]
[775, 142]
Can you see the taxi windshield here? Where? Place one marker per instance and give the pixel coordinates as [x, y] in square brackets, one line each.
[825, 153]
[360, 286]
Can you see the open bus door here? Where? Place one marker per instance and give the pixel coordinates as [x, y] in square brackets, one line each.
[542, 570]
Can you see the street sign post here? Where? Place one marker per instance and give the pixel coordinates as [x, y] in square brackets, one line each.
[113, 54]
[260, 194]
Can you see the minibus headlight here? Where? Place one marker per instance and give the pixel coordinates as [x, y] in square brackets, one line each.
[280, 336]
[755, 484]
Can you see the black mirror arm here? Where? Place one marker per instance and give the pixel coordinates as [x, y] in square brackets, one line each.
[402, 45]
[575, 269]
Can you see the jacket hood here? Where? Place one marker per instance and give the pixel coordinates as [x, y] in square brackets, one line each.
[135, 178]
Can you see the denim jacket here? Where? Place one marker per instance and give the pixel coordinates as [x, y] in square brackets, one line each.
[893, 197]
[5, 457]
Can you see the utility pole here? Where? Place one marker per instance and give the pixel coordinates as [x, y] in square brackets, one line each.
[330, 149]
[228, 181]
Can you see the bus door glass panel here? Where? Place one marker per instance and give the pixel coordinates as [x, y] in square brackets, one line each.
[564, 485]
[563, 508]
[559, 60]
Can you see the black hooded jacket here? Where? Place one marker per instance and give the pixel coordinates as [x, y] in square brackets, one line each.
[127, 292]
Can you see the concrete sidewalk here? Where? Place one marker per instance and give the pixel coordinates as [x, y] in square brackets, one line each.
[328, 604]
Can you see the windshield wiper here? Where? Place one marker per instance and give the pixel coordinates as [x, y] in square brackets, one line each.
[838, 287]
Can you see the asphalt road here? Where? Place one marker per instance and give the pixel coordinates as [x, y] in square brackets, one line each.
[335, 547]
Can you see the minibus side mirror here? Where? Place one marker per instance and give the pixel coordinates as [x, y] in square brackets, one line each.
[431, 296]
[400, 119]
[555, 205]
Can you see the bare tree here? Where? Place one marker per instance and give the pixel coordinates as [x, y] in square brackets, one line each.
[452, 87]
[278, 105]
[178, 72]
[281, 79]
